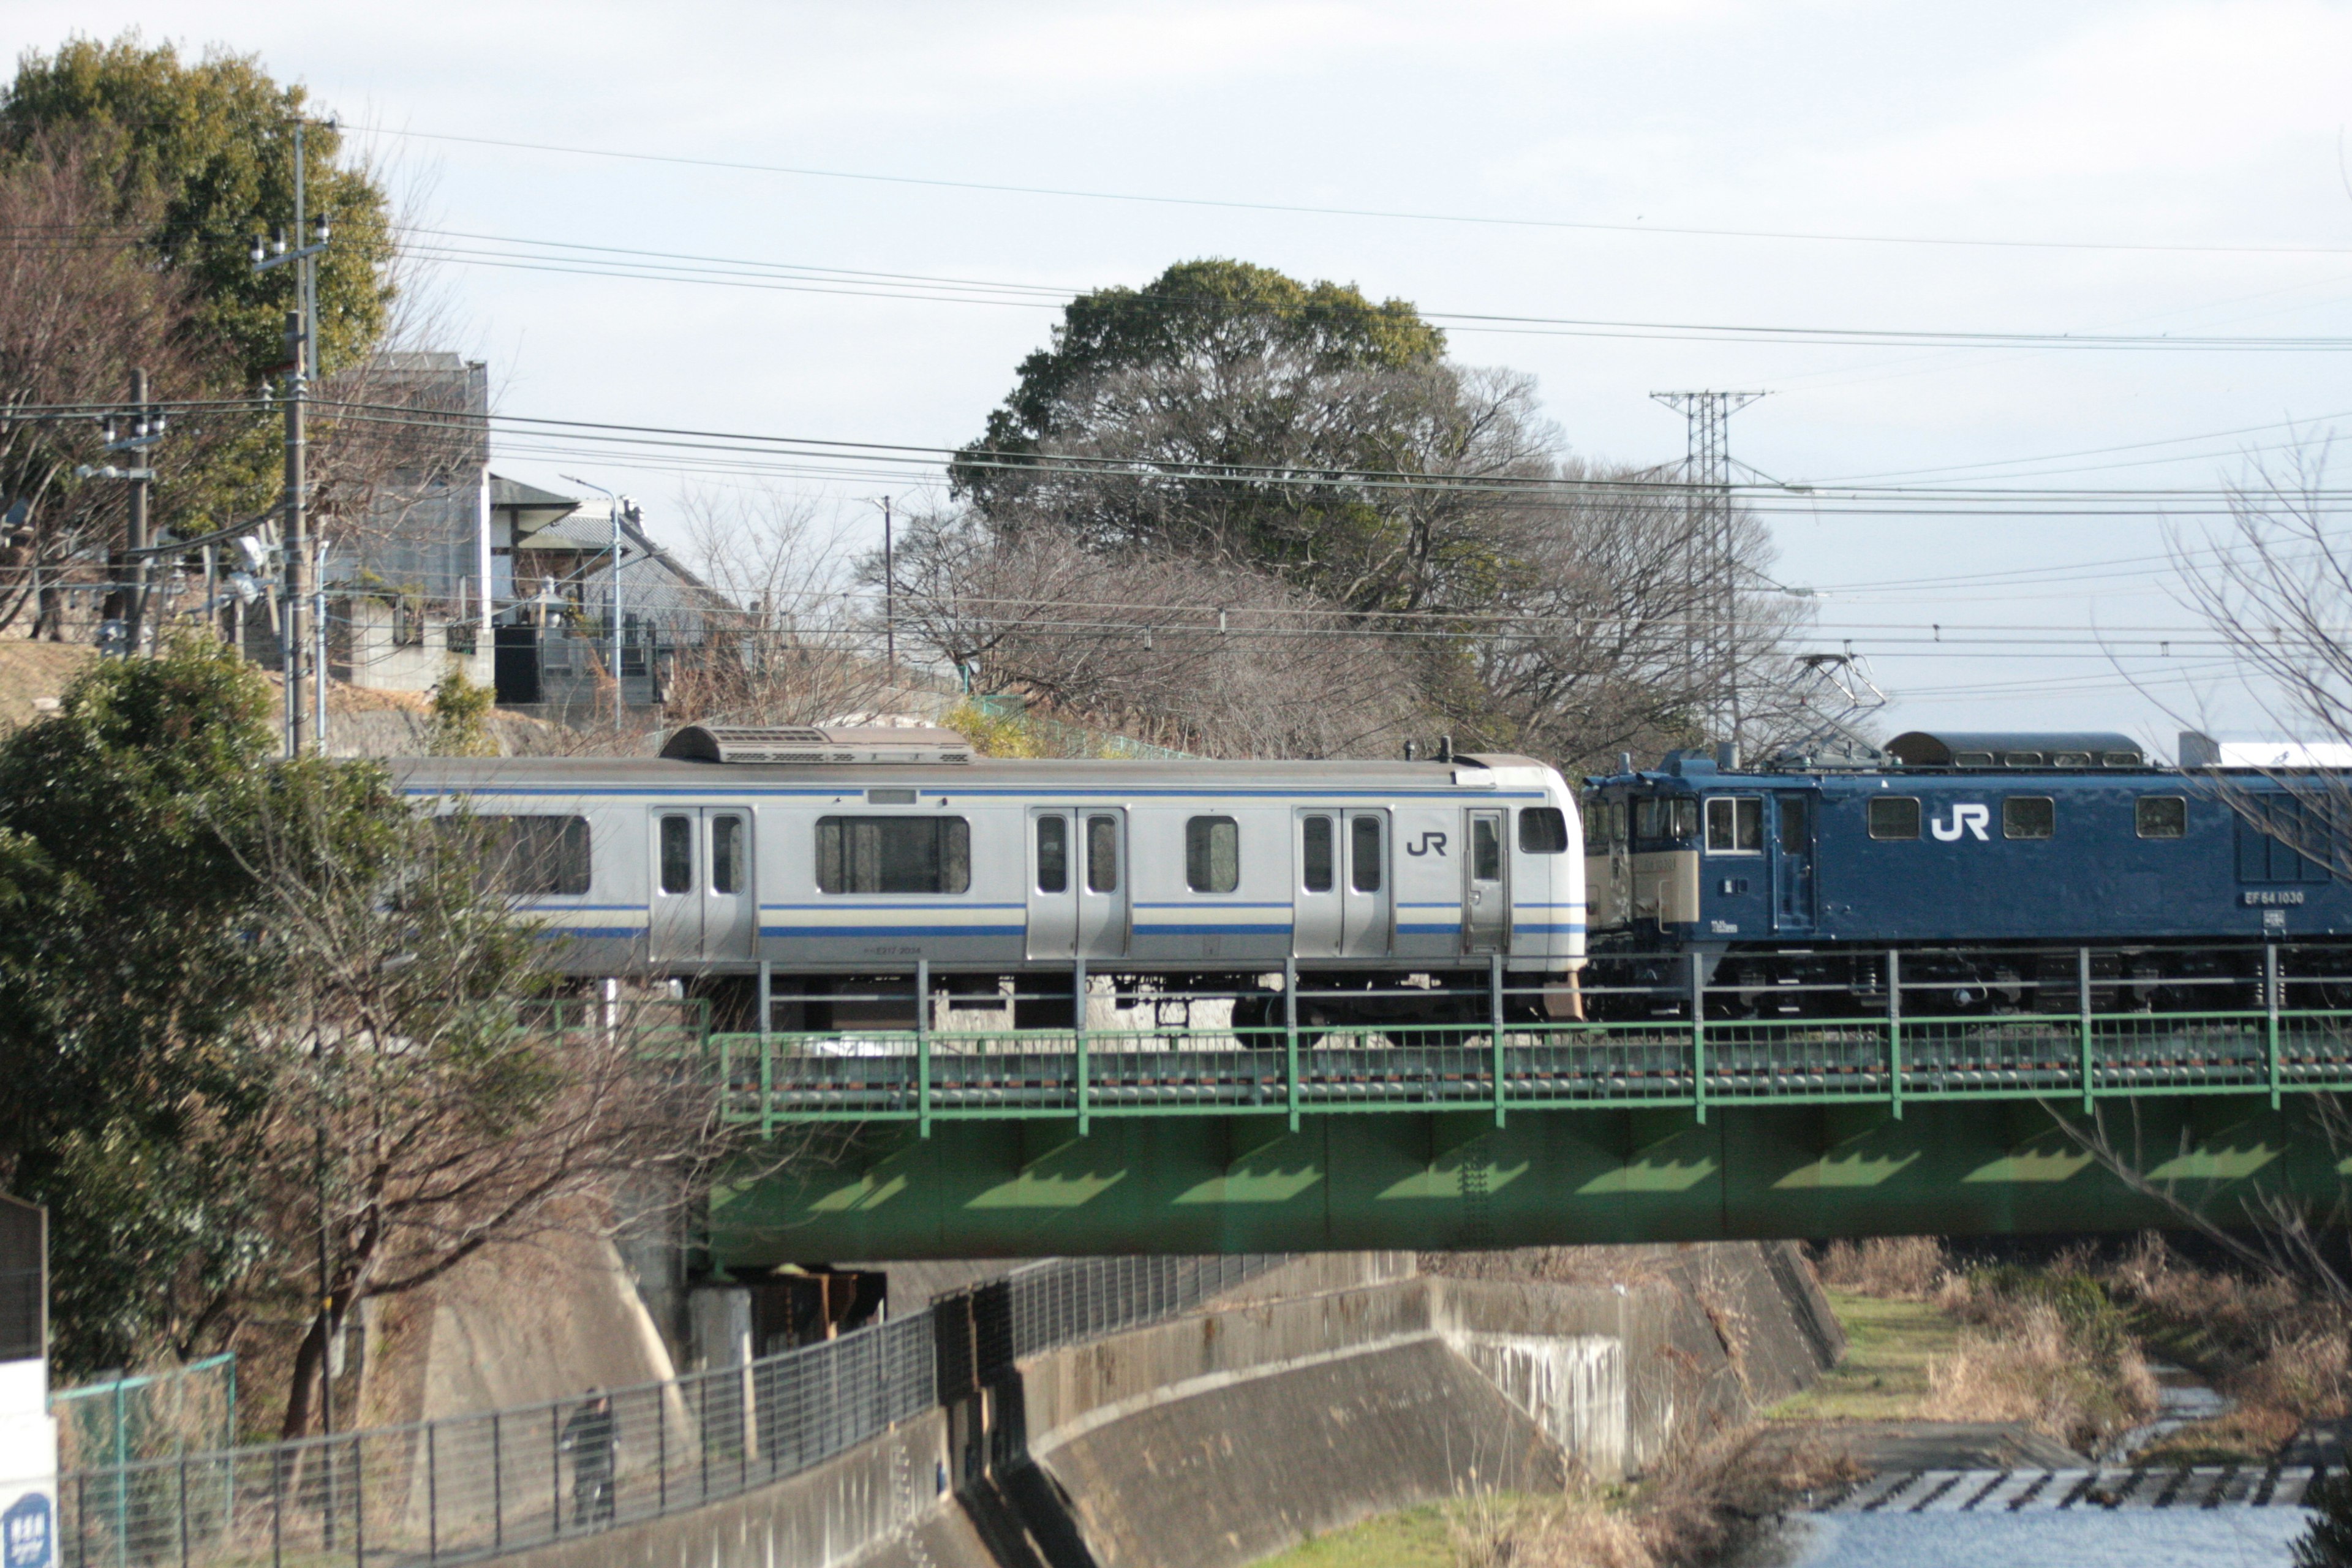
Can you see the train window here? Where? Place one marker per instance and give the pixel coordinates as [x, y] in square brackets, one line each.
[1895, 817]
[2161, 816]
[677, 854]
[2029, 817]
[1315, 853]
[1735, 825]
[1102, 854]
[893, 855]
[1972, 758]
[2121, 759]
[1052, 855]
[1364, 854]
[530, 856]
[1543, 830]
[726, 854]
[1213, 854]
[1485, 849]
[2070, 759]
[2023, 759]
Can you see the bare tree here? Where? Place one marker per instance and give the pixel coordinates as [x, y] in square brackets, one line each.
[415, 1114]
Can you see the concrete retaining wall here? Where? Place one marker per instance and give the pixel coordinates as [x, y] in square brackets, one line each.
[1212, 1440]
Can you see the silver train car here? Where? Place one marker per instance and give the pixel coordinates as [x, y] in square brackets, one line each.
[840, 853]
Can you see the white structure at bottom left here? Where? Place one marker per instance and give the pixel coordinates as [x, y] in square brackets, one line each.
[28, 1434]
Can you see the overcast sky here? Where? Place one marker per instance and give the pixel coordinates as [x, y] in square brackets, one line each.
[2183, 164]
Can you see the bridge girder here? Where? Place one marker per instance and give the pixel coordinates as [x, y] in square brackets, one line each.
[1246, 1182]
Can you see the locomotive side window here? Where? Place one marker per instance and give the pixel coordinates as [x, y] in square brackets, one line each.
[892, 854]
[677, 854]
[2029, 817]
[1213, 854]
[726, 854]
[1543, 830]
[1315, 853]
[530, 856]
[1102, 855]
[1052, 855]
[2023, 759]
[2122, 759]
[1895, 817]
[2161, 816]
[1735, 825]
[1364, 854]
[2070, 759]
[1972, 758]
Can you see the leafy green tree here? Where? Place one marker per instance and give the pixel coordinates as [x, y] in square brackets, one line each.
[1225, 410]
[201, 156]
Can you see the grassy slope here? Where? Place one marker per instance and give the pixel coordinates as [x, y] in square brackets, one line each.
[1885, 1375]
[1416, 1538]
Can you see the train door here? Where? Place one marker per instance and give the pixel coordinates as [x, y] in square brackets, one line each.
[1487, 905]
[1364, 890]
[1077, 882]
[1792, 863]
[703, 904]
[1317, 921]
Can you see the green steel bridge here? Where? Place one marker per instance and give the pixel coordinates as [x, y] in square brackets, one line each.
[923, 1143]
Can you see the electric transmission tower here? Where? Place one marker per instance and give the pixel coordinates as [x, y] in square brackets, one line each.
[1712, 656]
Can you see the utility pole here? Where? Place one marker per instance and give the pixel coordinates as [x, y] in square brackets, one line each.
[301, 365]
[135, 617]
[1712, 575]
[617, 509]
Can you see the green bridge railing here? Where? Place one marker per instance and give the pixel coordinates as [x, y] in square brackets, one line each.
[926, 1076]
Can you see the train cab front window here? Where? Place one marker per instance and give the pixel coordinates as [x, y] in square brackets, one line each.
[1735, 825]
[1543, 830]
[1673, 819]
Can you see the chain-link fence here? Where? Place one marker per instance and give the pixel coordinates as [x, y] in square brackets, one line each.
[474, 1485]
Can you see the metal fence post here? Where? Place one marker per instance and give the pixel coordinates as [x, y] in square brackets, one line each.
[2083, 1011]
[555, 1470]
[922, 1048]
[1078, 1016]
[359, 1498]
[432, 1501]
[1698, 1034]
[1895, 1030]
[2271, 1005]
[1290, 1035]
[183, 1509]
[497, 1490]
[1495, 1026]
[661, 1446]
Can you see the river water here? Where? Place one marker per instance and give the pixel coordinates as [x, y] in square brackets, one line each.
[1974, 1523]
[2096, 1538]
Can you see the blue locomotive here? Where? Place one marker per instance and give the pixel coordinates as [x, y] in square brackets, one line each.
[1993, 872]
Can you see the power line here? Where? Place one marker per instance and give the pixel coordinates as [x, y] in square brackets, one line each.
[995, 188]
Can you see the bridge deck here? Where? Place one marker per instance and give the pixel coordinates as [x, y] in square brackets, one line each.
[924, 1076]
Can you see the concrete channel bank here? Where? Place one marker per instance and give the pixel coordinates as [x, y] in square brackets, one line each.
[1337, 1386]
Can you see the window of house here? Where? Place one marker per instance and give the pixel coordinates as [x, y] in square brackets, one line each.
[1895, 817]
[1213, 854]
[2029, 817]
[1543, 830]
[1735, 825]
[2161, 816]
[893, 855]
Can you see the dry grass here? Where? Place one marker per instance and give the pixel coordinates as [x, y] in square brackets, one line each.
[2030, 1368]
[2279, 1354]
[1701, 1508]
[1891, 1267]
